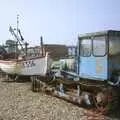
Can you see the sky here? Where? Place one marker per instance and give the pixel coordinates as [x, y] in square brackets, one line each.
[58, 21]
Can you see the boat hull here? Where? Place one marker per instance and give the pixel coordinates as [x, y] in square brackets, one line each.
[36, 66]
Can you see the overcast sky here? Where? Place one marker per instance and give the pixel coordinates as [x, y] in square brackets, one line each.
[58, 21]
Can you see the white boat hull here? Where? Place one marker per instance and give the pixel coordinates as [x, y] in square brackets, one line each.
[36, 66]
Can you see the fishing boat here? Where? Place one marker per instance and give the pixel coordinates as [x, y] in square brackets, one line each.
[35, 66]
[23, 63]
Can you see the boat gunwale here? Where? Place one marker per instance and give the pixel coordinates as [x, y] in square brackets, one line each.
[17, 61]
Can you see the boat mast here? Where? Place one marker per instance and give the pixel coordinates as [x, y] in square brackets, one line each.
[17, 31]
[17, 23]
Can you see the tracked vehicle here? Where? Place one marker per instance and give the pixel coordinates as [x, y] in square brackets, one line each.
[95, 80]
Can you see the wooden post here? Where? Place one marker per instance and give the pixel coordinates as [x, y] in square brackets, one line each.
[41, 44]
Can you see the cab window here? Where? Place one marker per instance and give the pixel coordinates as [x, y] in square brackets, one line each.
[85, 47]
[99, 46]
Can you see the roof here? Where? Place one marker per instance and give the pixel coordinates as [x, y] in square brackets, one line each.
[71, 46]
[100, 33]
[56, 51]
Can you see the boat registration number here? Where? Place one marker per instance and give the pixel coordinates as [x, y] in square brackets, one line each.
[27, 64]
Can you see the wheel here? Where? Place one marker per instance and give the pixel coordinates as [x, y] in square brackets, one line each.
[101, 99]
[104, 101]
[13, 77]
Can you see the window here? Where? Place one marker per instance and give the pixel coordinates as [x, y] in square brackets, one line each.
[85, 47]
[71, 51]
[114, 45]
[99, 46]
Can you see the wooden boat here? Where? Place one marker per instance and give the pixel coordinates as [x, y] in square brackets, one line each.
[34, 66]
[23, 63]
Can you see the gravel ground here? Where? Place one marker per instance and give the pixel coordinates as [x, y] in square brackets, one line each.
[18, 102]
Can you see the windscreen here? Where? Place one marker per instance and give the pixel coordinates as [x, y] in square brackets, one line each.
[99, 46]
[85, 47]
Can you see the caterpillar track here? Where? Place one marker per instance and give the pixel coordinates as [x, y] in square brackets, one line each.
[97, 96]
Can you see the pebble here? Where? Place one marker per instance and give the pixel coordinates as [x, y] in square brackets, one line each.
[18, 102]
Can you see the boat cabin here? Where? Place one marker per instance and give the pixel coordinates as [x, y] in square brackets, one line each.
[98, 55]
